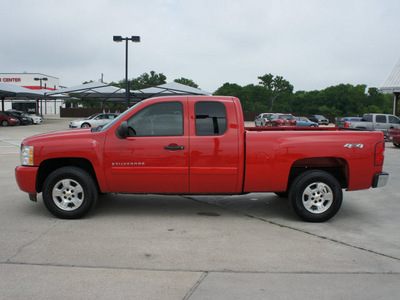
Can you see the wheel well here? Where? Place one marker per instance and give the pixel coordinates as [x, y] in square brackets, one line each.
[48, 166]
[335, 166]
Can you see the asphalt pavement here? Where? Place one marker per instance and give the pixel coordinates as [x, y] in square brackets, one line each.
[196, 247]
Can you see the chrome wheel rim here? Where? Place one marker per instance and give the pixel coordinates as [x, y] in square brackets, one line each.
[68, 194]
[317, 197]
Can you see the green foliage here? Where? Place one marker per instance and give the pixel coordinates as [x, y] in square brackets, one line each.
[148, 80]
[188, 82]
[275, 94]
[276, 86]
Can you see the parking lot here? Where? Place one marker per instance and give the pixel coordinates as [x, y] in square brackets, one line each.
[198, 247]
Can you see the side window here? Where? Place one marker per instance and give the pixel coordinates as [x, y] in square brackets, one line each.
[160, 119]
[210, 118]
[394, 120]
[367, 118]
[380, 119]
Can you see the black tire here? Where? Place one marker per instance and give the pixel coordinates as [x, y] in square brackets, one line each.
[397, 145]
[316, 196]
[85, 125]
[69, 193]
[4, 123]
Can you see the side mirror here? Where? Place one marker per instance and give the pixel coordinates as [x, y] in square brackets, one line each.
[122, 131]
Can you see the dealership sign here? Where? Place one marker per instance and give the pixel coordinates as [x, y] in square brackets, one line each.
[5, 79]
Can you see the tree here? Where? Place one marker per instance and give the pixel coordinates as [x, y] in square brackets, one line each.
[188, 82]
[143, 81]
[276, 85]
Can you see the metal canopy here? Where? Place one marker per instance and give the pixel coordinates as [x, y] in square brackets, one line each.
[392, 85]
[392, 82]
[97, 90]
[19, 92]
[110, 93]
[168, 89]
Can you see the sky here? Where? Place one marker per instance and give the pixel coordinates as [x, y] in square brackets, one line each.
[313, 44]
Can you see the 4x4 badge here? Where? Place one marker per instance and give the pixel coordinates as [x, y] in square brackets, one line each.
[354, 146]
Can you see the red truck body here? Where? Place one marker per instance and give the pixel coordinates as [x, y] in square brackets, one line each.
[194, 151]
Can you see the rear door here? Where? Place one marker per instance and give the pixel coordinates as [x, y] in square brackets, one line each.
[214, 149]
[381, 123]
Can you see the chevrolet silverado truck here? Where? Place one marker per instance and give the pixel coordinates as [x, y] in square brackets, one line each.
[199, 145]
[379, 122]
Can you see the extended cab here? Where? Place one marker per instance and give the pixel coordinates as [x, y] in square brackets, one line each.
[198, 145]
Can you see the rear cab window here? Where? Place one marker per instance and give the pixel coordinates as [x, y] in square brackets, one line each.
[211, 118]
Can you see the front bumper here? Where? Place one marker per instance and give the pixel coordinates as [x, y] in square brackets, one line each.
[380, 179]
[26, 178]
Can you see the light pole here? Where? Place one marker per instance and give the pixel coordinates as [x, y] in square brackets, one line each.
[40, 79]
[135, 39]
[37, 103]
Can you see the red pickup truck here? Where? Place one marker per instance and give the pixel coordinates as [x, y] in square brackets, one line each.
[199, 145]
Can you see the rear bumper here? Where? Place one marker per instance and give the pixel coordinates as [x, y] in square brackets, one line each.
[380, 179]
[26, 178]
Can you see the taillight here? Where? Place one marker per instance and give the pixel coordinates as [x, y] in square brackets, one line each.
[346, 125]
[379, 153]
[294, 122]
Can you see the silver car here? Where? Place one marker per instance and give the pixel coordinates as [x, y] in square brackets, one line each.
[262, 119]
[93, 121]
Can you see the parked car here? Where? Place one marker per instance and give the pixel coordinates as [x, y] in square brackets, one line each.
[321, 120]
[344, 122]
[6, 120]
[36, 119]
[23, 119]
[93, 121]
[277, 120]
[394, 136]
[377, 122]
[304, 122]
[262, 119]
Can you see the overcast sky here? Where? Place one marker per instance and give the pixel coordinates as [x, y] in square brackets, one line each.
[313, 44]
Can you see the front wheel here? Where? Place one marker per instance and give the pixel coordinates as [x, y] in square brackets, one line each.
[316, 196]
[397, 145]
[4, 123]
[69, 193]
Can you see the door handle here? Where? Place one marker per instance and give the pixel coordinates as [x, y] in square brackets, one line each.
[174, 147]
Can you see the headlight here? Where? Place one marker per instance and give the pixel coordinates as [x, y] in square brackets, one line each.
[27, 155]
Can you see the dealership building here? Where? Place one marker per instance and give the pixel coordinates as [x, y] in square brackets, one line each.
[33, 81]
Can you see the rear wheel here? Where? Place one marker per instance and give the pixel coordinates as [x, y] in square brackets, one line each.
[316, 196]
[69, 193]
[397, 145]
[4, 123]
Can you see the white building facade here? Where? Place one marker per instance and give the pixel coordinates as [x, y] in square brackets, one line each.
[33, 81]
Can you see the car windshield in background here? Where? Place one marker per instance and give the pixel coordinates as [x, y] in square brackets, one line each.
[119, 117]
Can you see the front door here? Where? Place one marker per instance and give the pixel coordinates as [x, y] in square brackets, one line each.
[154, 157]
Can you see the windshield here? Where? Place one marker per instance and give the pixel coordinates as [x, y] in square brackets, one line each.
[119, 117]
[91, 117]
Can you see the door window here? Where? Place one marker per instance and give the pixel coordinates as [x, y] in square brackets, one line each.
[210, 118]
[160, 119]
[380, 119]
